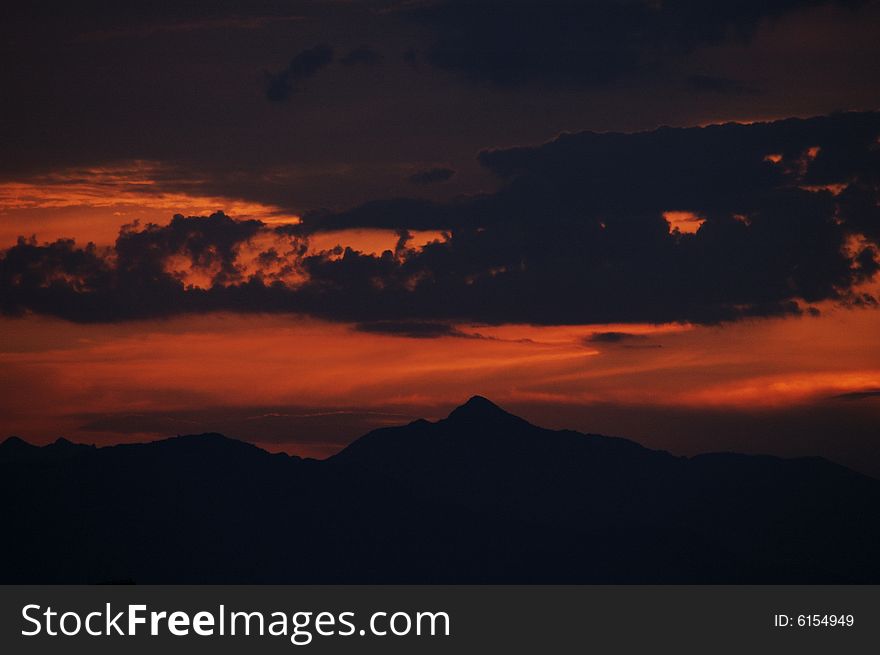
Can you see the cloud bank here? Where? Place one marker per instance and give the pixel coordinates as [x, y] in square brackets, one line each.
[575, 234]
[584, 43]
[303, 66]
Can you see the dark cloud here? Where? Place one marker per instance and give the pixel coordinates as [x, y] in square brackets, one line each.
[304, 65]
[614, 337]
[432, 176]
[411, 57]
[190, 25]
[868, 394]
[576, 234]
[131, 281]
[859, 208]
[363, 54]
[721, 85]
[390, 214]
[620, 339]
[182, 94]
[412, 329]
[588, 43]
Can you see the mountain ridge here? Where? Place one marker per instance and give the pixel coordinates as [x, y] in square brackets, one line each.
[477, 410]
[479, 496]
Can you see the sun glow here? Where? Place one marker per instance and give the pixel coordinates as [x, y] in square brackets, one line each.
[683, 222]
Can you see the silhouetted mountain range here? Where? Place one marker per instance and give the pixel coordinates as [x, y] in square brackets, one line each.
[481, 496]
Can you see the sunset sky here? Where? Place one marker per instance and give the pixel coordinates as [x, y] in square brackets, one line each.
[293, 222]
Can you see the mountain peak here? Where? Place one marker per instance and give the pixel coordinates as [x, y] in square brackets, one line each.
[480, 401]
[16, 443]
[62, 444]
[479, 409]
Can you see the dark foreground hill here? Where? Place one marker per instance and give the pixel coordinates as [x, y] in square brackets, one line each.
[481, 496]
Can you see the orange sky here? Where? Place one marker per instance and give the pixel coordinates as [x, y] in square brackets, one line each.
[53, 373]
[90, 204]
[57, 377]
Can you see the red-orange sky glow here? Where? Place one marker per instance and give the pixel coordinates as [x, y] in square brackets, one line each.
[57, 378]
[279, 375]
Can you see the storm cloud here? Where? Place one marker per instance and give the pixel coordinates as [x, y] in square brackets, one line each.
[362, 55]
[432, 176]
[304, 65]
[584, 43]
[575, 234]
[614, 337]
